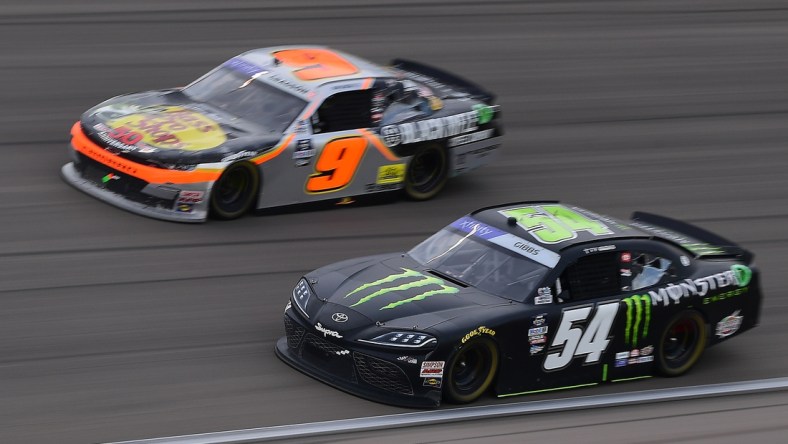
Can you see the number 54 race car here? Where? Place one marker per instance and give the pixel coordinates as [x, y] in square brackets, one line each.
[518, 299]
[282, 126]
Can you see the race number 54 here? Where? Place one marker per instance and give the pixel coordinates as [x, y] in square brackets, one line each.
[576, 336]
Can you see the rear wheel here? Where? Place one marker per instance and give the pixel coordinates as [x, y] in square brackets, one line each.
[681, 344]
[471, 371]
[427, 172]
[234, 192]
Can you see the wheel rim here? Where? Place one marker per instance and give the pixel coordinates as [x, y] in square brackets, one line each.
[680, 341]
[426, 169]
[233, 187]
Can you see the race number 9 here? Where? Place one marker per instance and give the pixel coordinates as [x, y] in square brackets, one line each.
[336, 165]
[574, 341]
[315, 63]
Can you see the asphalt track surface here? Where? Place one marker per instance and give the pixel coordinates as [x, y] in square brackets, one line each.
[118, 327]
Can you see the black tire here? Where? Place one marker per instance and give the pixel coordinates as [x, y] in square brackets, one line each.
[681, 343]
[427, 172]
[471, 371]
[234, 192]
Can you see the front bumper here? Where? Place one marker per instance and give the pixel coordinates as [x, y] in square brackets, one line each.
[364, 373]
[167, 209]
[179, 196]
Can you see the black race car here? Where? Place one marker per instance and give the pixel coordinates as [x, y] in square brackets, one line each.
[521, 298]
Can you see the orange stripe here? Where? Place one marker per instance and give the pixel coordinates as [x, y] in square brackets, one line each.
[275, 152]
[367, 83]
[150, 174]
[387, 153]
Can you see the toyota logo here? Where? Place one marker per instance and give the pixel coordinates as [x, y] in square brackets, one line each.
[339, 317]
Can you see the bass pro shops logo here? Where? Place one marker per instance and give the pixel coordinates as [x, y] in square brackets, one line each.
[638, 319]
[421, 280]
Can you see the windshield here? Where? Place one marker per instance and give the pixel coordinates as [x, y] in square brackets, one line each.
[479, 263]
[240, 94]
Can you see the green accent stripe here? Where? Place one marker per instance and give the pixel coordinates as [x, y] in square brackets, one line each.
[604, 372]
[631, 379]
[549, 390]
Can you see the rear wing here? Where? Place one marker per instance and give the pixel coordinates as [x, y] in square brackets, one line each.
[694, 239]
[442, 80]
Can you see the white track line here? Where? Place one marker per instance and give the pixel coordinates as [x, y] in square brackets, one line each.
[470, 413]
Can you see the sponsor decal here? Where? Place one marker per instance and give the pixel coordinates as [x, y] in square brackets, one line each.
[599, 249]
[537, 331]
[430, 129]
[339, 317]
[481, 330]
[536, 349]
[421, 280]
[552, 224]
[537, 339]
[539, 320]
[511, 242]
[342, 352]
[634, 353]
[729, 325]
[436, 104]
[626, 256]
[239, 155]
[244, 67]
[469, 138]
[375, 188]
[621, 363]
[408, 359]
[190, 197]
[110, 176]
[433, 382]
[326, 332]
[303, 152]
[647, 350]
[432, 369]
[477, 153]
[301, 127]
[288, 84]
[544, 295]
[184, 208]
[684, 261]
[622, 355]
[638, 318]
[626, 272]
[388, 174]
[738, 275]
[166, 127]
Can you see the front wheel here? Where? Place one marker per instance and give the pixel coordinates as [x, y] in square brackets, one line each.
[681, 344]
[471, 371]
[427, 172]
[234, 192]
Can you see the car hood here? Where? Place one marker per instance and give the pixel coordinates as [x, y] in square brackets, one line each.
[392, 291]
[167, 127]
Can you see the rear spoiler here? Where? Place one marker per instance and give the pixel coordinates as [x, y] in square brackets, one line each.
[450, 80]
[697, 240]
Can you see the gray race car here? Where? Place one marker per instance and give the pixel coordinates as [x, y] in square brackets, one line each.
[282, 126]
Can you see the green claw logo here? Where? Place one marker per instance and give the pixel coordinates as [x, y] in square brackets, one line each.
[743, 274]
[407, 273]
[638, 311]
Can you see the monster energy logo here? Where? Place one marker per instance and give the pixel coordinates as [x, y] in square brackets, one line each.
[638, 318]
[407, 273]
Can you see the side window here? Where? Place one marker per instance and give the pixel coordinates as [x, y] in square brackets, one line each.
[344, 111]
[649, 269]
[592, 276]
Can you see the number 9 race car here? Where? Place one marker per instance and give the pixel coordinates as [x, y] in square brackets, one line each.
[518, 299]
[282, 126]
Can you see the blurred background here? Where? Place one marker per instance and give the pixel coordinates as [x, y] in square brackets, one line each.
[117, 327]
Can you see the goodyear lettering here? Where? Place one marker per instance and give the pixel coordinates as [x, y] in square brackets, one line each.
[422, 281]
[481, 330]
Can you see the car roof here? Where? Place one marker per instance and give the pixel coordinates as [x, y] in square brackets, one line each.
[505, 217]
[306, 68]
